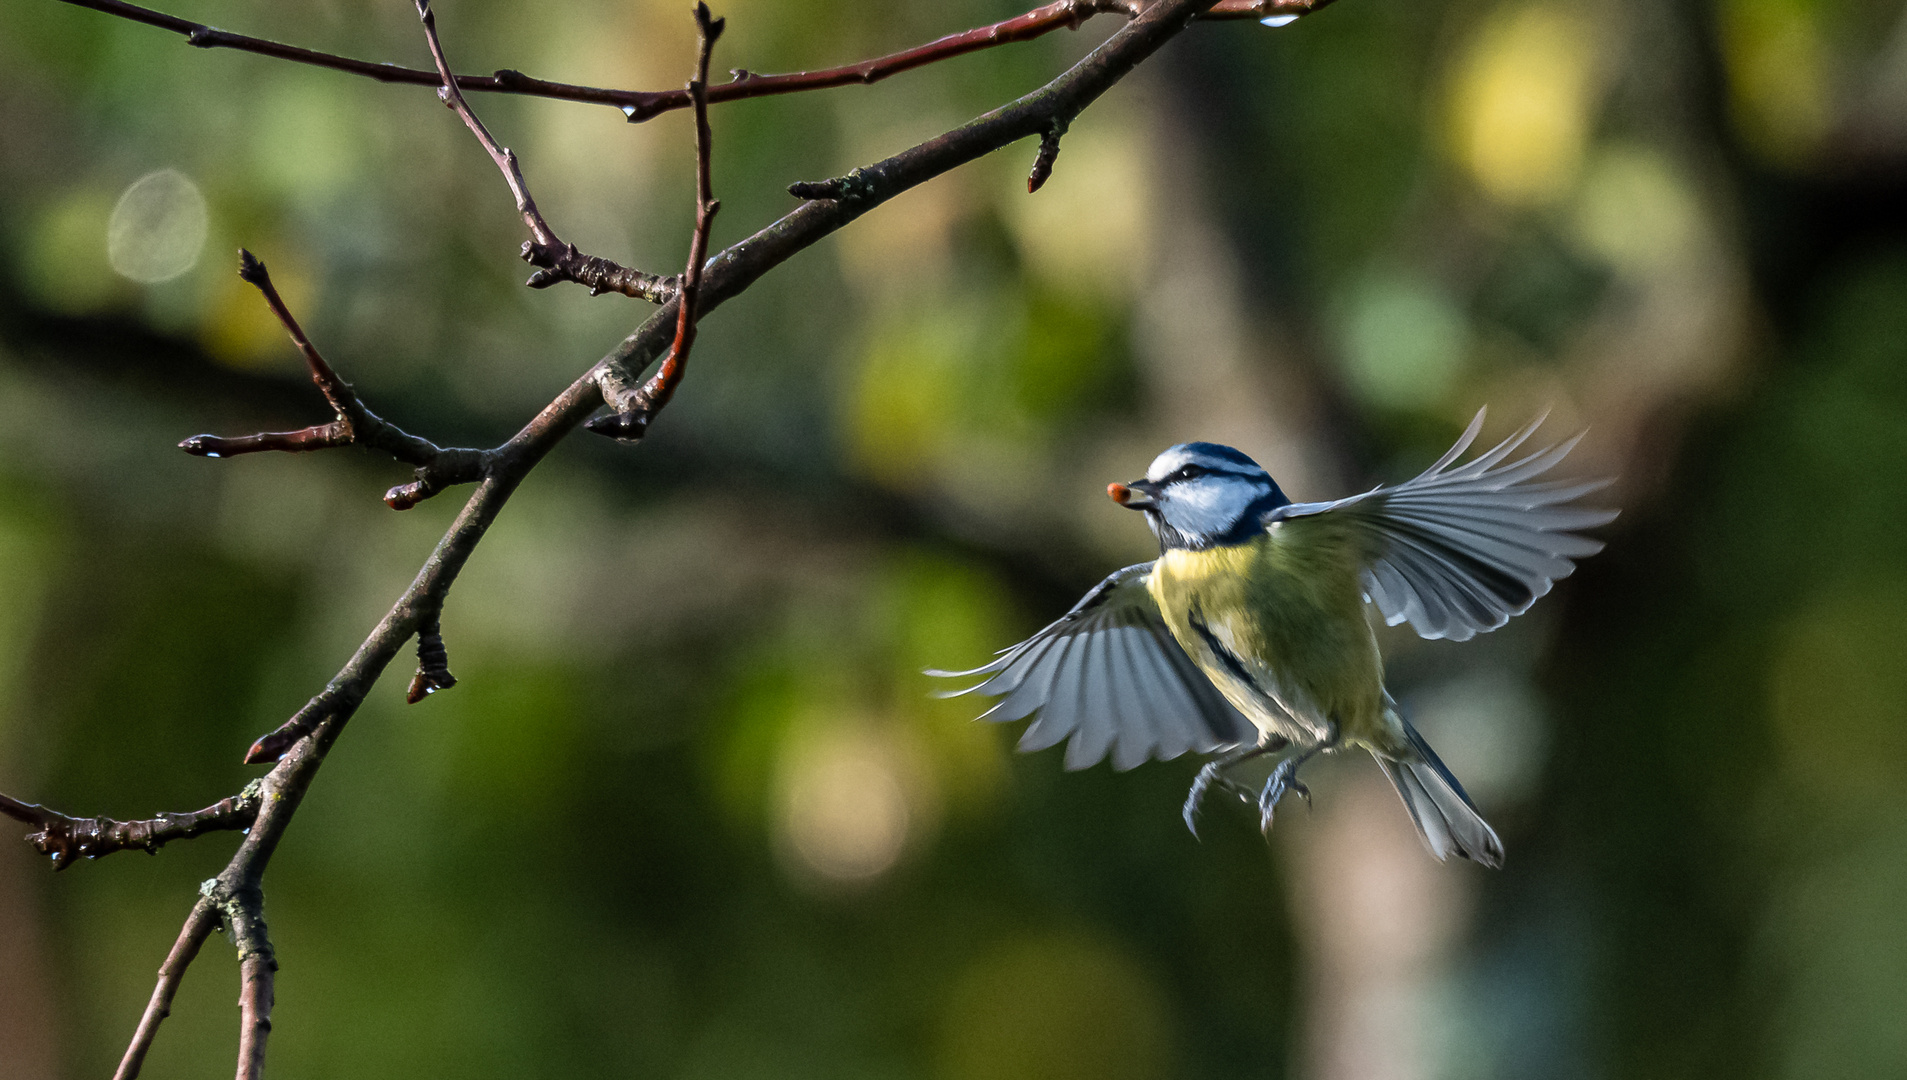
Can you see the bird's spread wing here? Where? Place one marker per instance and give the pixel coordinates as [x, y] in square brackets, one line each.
[1109, 674]
[1458, 551]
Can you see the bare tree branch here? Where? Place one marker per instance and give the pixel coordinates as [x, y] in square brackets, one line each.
[640, 105]
[422, 603]
[68, 839]
[1063, 14]
[557, 261]
[299, 747]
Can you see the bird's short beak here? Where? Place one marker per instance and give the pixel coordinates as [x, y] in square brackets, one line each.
[1138, 495]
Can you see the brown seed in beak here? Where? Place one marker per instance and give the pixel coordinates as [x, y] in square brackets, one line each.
[1133, 496]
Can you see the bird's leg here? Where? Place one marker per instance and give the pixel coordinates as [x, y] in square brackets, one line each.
[1206, 776]
[1212, 773]
[1285, 778]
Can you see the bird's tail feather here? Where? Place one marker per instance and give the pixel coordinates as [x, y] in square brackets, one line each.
[1444, 815]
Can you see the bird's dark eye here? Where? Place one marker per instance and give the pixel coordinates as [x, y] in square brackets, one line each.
[1188, 472]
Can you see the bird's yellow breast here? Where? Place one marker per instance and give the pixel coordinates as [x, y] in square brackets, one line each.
[1288, 608]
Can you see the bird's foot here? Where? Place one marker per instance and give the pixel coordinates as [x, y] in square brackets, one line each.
[1206, 777]
[1212, 773]
[1282, 779]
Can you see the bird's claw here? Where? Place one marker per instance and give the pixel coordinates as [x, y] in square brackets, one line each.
[1193, 798]
[1282, 779]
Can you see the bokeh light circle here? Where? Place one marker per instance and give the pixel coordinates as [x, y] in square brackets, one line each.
[845, 808]
[158, 227]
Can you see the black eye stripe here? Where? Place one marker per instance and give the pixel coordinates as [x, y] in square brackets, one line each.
[1193, 470]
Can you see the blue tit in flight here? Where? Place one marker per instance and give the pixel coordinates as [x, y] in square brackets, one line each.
[1247, 636]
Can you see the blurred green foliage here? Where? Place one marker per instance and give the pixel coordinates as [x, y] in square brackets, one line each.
[690, 812]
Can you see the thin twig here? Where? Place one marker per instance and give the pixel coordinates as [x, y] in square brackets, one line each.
[633, 421]
[556, 260]
[505, 158]
[334, 389]
[598, 275]
[1043, 20]
[353, 422]
[198, 926]
[66, 840]
[641, 105]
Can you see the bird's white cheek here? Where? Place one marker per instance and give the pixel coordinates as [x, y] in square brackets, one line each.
[1207, 508]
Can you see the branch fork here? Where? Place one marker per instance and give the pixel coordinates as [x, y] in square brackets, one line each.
[353, 423]
[634, 411]
[272, 747]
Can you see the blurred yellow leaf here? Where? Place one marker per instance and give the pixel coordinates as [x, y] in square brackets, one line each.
[239, 329]
[1522, 102]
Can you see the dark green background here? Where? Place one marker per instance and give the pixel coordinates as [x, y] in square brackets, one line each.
[1678, 224]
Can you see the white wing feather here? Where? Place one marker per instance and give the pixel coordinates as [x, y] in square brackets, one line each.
[1109, 675]
[1459, 551]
